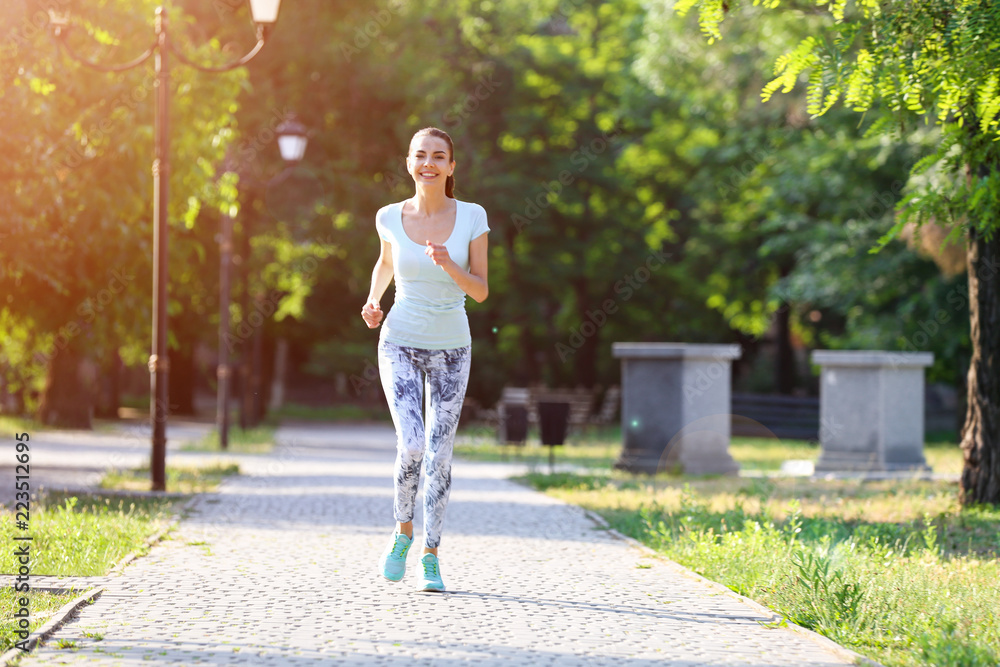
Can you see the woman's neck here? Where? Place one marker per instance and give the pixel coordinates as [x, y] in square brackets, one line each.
[430, 202]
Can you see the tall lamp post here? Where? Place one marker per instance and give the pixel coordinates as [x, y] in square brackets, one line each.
[292, 141]
[265, 15]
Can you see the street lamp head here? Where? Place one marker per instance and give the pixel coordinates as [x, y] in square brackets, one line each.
[58, 22]
[292, 139]
[265, 12]
[57, 19]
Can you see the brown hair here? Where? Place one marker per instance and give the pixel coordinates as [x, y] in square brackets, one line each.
[449, 184]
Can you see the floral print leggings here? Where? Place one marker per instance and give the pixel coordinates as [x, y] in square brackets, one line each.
[405, 371]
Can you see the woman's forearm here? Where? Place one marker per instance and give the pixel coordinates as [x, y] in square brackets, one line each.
[469, 283]
[381, 277]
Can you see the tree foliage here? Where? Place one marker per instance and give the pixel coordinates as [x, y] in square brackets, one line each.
[636, 187]
[934, 61]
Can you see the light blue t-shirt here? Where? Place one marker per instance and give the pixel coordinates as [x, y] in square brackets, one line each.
[429, 307]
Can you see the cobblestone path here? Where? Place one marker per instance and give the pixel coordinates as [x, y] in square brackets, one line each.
[279, 568]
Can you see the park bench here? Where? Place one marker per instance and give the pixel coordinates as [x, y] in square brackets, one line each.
[580, 400]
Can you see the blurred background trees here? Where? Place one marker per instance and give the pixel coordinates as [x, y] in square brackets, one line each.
[637, 189]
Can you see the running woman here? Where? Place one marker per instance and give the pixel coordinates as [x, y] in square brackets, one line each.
[435, 248]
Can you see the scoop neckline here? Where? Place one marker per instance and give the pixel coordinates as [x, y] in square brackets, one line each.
[423, 245]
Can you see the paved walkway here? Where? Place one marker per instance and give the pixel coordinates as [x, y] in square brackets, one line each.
[278, 568]
[78, 459]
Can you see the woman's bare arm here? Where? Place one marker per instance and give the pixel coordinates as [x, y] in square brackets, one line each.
[475, 281]
[381, 277]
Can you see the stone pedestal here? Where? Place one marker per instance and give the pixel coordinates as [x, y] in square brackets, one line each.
[676, 407]
[871, 410]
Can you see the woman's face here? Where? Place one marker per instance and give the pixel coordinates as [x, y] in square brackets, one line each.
[428, 161]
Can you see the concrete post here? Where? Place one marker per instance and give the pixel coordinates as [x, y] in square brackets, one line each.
[676, 407]
[871, 410]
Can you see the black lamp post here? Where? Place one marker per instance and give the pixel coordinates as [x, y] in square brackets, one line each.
[292, 141]
[265, 14]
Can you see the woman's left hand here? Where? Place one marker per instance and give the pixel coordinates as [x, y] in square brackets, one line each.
[438, 254]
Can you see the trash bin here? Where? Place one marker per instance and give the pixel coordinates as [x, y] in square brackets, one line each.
[513, 423]
[553, 418]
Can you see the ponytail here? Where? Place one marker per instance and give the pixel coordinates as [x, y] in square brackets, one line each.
[449, 187]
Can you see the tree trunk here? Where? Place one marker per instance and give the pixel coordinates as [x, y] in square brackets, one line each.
[181, 388]
[109, 387]
[785, 361]
[981, 434]
[279, 377]
[585, 364]
[784, 354]
[66, 401]
[257, 375]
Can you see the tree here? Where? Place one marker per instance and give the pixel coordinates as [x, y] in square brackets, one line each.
[571, 228]
[936, 61]
[77, 192]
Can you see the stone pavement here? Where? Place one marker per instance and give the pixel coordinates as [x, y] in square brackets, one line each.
[279, 568]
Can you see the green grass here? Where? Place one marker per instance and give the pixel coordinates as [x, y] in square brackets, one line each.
[134, 401]
[333, 413]
[593, 447]
[78, 536]
[178, 479]
[894, 570]
[42, 606]
[10, 425]
[86, 535]
[600, 447]
[256, 440]
[589, 456]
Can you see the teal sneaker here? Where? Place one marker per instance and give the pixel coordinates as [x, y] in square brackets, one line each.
[431, 580]
[392, 565]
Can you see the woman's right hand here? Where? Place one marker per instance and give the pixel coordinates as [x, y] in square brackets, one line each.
[372, 313]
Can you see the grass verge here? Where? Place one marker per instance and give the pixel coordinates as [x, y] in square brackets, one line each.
[895, 570]
[179, 479]
[43, 606]
[332, 413]
[11, 424]
[255, 440]
[599, 448]
[80, 536]
[85, 536]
